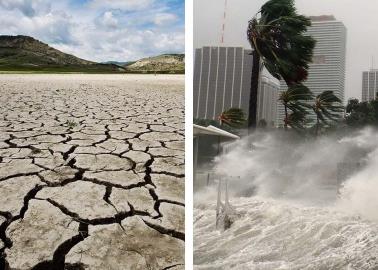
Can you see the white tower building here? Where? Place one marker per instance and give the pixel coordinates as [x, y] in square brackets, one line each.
[369, 85]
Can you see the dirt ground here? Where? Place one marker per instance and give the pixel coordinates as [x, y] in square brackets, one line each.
[91, 171]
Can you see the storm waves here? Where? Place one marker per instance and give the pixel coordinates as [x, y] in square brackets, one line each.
[301, 204]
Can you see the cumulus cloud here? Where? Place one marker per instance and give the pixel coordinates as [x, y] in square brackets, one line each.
[55, 27]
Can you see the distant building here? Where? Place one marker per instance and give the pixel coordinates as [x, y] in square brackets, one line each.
[327, 70]
[369, 85]
[267, 98]
[222, 80]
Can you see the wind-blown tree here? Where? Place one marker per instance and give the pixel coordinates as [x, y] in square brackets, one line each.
[361, 113]
[353, 104]
[276, 35]
[326, 107]
[294, 99]
[296, 120]
[233, 117]
[228, 120]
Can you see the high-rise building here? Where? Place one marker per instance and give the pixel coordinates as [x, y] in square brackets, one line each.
[267, 97]
[222, 80]
[369, 85]
[327, 70]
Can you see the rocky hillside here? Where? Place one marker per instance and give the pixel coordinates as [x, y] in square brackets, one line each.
[27, 53]
[165, 63]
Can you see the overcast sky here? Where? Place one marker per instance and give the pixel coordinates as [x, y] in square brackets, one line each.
[360, 18]
[99, 30]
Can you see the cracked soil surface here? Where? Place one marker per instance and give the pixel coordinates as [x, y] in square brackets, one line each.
[91, 172]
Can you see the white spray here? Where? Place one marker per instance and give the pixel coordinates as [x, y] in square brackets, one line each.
[279, 165]
[303, 214]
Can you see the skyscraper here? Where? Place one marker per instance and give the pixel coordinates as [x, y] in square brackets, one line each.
[369, 85]
[222, 80]
[327, 70]
[267, 97]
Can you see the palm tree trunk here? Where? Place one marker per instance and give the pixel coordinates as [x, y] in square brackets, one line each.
[317, 125]
[252, 113]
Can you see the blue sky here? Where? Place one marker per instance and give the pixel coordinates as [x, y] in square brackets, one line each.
[99, 30]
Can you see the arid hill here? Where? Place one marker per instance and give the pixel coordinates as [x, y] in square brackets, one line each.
[167, 63]
[27, 53]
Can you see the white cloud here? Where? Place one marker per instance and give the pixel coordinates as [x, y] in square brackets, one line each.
[109, 20]
[123, 44]
[54, 27]
[164, 18]
[126, 5]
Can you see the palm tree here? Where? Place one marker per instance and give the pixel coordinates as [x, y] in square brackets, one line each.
[233, 117]
[326, 106]
[276, 35]
[296, 120]
[294, 99]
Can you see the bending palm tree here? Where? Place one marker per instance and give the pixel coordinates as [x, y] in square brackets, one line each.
[233, 117]
[326, 107]
[294, 99]
[277, 38]
[296, 120]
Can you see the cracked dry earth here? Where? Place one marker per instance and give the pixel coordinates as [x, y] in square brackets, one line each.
[91, 172]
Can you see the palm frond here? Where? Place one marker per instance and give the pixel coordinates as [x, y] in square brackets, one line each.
[327, 106]
[278, 37]
[233, 117]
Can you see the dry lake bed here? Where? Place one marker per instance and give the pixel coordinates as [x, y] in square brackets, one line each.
[91, 172]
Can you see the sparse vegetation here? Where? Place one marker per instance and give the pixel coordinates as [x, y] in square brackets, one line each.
[26, 54]
[166, 63]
